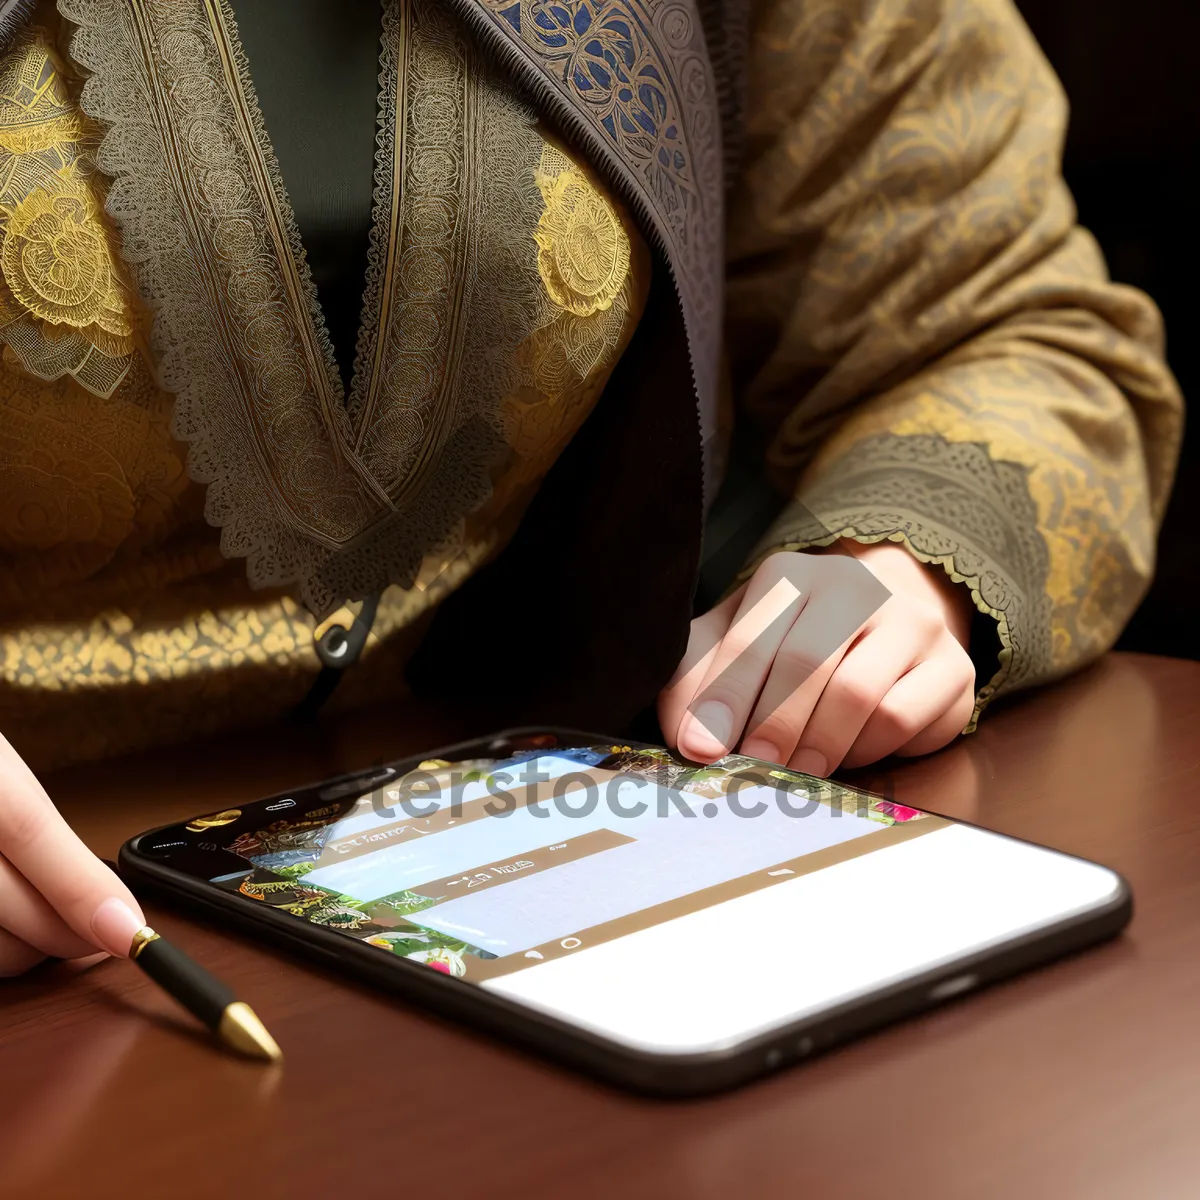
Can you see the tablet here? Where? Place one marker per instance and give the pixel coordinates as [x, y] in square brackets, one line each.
[672, 926]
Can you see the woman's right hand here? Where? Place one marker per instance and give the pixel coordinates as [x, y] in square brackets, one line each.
[57, 899]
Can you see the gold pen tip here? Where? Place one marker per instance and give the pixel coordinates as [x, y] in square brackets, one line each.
[241, 1029]
[141, 940]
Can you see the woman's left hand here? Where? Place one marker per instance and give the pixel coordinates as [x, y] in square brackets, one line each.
[760, 671]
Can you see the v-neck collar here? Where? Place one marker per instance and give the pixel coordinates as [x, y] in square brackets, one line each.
[335, 495]
[364, 373]
[316, 73]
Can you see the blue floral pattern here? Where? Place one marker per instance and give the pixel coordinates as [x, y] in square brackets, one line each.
[602, 54]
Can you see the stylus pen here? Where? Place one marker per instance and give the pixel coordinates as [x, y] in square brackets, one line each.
[203, 995]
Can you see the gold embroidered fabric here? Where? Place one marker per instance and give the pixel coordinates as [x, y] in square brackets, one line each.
[121, 622]
[329, 495]
[65, 305]
[914, 316]
[932, 340]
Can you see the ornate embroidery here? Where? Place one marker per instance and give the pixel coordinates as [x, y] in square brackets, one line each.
[336, 496]
[639, 86]
[583, 253]
[596, 270]
[65, 307]
[36, 110]
[408, 373]
[111, 590]
[935, 343]
[953, 506]
[83, 479]
[58, 263]
[901, 198]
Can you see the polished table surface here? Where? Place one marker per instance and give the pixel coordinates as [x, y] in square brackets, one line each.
[1081, 1080]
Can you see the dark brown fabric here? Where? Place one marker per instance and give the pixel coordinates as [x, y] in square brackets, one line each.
[585, 615]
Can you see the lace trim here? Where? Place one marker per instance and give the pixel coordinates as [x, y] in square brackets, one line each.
[385, 209]
[238, 336]
[278, 205]
[949, 504]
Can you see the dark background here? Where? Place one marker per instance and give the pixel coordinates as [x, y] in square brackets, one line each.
[1132, 71]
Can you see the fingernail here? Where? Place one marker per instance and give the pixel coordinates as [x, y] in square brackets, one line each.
[711, 727]
[113, 925]
[758, 748]
[811, 762]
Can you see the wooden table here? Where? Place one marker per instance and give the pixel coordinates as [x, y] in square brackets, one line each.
[1080, 1081]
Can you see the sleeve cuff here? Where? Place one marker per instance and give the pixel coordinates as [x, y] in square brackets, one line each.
[949, 504]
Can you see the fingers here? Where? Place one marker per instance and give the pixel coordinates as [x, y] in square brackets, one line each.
[797, 680]
[820, 664]
[41, 846]
[864, 676]
[704, 641]
[943, 730]
[15, 957]
[722, 704]
[29, 918]
[925, 710]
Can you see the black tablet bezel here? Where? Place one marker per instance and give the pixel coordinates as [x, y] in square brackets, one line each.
[642, 1071]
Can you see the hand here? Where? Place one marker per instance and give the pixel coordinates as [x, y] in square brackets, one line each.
[57, 899]
[761, 664]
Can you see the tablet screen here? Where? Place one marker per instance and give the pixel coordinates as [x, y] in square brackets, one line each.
[483, 868]
[673, 906]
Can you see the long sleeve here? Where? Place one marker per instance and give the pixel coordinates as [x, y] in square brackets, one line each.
[930, 340]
